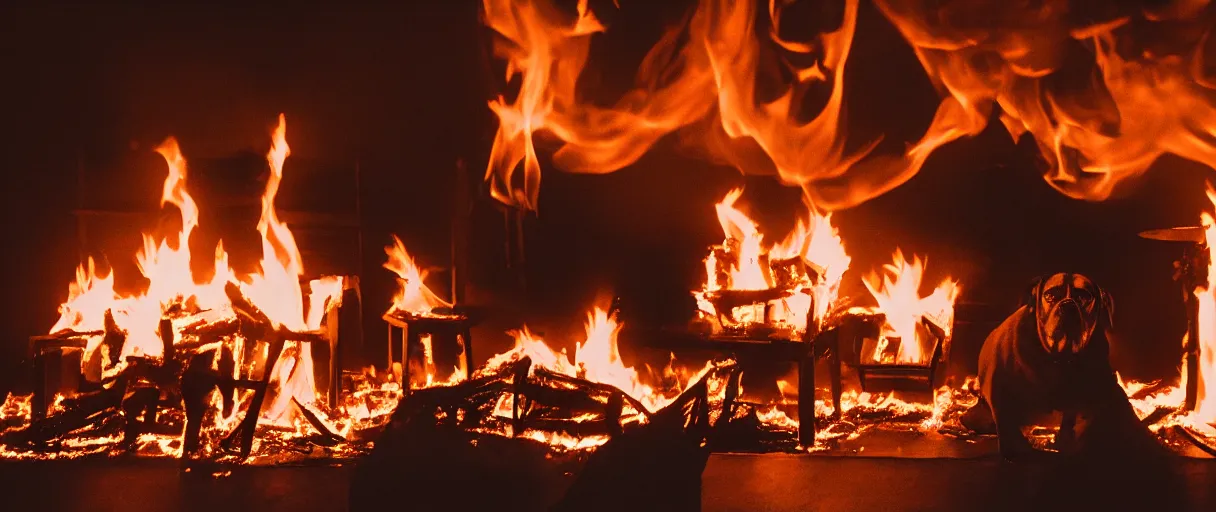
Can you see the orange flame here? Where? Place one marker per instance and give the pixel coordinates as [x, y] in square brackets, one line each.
[596, 359]
[549, 57]
[89, 296]
[1205, 409]
[898, 296]
[679, 83]
[276, 290]
[412, 296]
[1099, 118]
[746, 273]
[815, 242]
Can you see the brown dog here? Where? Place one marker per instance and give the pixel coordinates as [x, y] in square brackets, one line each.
[1051, 355]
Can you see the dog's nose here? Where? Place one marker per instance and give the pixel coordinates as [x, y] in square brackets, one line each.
[1069, 326]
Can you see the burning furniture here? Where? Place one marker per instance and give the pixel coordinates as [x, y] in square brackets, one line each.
[781, 304]
[591, 418]
[1189, 409]
[910, 335]
[183, 360]
[423, 319]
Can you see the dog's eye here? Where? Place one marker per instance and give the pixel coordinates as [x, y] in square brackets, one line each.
[1083, 296]
[1051, 297]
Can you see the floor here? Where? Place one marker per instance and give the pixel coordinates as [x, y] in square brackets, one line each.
[730, 482]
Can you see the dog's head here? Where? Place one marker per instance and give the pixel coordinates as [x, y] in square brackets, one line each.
[1068, 309]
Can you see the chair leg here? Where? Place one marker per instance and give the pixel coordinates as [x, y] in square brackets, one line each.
[409, 339]
[466, 339]
[806, 400]
[835, 370]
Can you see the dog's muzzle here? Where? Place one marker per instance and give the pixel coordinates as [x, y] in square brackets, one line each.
[1065, 328]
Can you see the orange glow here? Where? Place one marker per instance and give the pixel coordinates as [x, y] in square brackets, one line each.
[1205, 408]
[813, 242]
[746, 273]
[412, 296]
[1100, 117]
[899, 300]
[596, 359]
[89, 296]
[277, 292]
[1100, 99]
[173, 292]
[708, 68]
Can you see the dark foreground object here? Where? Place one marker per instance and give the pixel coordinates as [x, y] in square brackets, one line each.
[730, 482]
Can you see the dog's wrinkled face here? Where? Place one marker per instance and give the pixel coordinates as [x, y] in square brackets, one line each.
[1068, 309]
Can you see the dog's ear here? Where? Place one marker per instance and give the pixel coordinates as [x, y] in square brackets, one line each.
[1108, 309]
[1031, 297]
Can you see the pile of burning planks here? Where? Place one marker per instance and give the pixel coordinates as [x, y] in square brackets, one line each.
[172, 395]
[486, 430]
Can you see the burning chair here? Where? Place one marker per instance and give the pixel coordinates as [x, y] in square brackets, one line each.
[184, 346]
[423, 319]
[782, 304]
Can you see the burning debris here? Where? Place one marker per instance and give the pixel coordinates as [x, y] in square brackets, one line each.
[223, 367]
[188, 367]
[1188, 409]
[913, 327]
[770, 291]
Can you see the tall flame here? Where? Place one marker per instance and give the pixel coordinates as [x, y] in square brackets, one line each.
[813, 240]
[412, 296]
[899, 299]
[1205, 410]
[173, 293]
[276, 289]
[549, 56]
[746, 273]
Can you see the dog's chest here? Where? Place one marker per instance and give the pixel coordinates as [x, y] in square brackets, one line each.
[1055, 385]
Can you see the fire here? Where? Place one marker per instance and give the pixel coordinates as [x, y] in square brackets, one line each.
[173, 292]
[898, 296]
[596, 359]
[1205, 408]
[412, 296]
[1103, 93]
[276, 289]
[807, 266]
[1101, 100]
[89, 296]
[550, 56]
[746, 273]
[706, 69]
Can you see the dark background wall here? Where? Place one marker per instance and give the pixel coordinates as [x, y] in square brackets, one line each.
[401, 89]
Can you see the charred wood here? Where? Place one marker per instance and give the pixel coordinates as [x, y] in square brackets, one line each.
[78, 412]
[1158, 414]
[328, 437]
[605, 389]
[248, 426]
[196, 385]
[139, 407]
[1195, 440]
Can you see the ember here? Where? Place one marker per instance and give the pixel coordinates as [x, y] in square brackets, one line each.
[748, 285]
[217, 350]
[208, 362]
